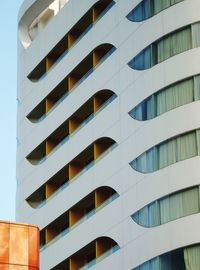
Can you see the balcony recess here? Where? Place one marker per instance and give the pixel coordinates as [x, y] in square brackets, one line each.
[71, 81]
[76, 215]
[79, 30]
[72, 125]
[69, 173]
[90, 255]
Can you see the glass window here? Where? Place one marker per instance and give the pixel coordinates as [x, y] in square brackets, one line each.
[167, 99]
[141, 12]
[185, 258]
[166, 47]
[168, 152]
[177, 205]
[149, 8]
[143, 59]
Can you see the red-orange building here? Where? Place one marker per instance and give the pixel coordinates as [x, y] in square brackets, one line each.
[19, 246]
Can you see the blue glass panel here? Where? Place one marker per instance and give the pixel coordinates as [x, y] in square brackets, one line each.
[143, 60]
[152, 160]
[154, 214]
[141, 111]
[146, 266]
[140, 12]
[137, 112]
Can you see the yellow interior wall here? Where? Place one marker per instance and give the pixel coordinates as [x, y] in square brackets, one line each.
[98, 149]
[75, 263]
[49, 190]
[95, 13]
[96, 58]
[74, 169]
[101, 196]
[50, 144]
[97, 103]
[75, 215]
[71, 39]
[73, 124]
[102, 245]
[72, 80]
[49, 63]
[49, 104]
[50, 234]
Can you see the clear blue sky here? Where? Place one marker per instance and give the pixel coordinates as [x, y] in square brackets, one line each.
[8, 71]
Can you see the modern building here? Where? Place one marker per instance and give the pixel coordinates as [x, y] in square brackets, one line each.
[19, 246]
[108, 159]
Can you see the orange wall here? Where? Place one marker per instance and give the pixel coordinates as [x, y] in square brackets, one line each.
[19, 246]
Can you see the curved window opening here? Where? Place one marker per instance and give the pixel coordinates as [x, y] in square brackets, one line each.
[149, 8]
[74, 79]
[169, 98]
[185, 258]
[168, 46]
[89, 255]
[171, 207]
[76, 215]
[169, 152]
[69, 173]
[45, 17]
[70, 39]
[71, 126]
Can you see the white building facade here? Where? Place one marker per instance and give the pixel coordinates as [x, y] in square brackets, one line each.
[108, 132]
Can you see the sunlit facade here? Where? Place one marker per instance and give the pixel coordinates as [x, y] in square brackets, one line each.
[109, 132]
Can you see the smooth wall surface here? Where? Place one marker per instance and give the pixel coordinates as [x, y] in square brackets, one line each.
[137, 244]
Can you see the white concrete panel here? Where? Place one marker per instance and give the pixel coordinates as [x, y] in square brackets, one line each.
[137, 244]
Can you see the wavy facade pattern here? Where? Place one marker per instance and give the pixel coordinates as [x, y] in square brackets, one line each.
[108, 157]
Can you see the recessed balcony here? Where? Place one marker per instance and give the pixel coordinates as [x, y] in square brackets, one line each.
[74, 79]
[90, 255]
[69, 173]
[71, 126]
[69, 40]
[76, 215]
